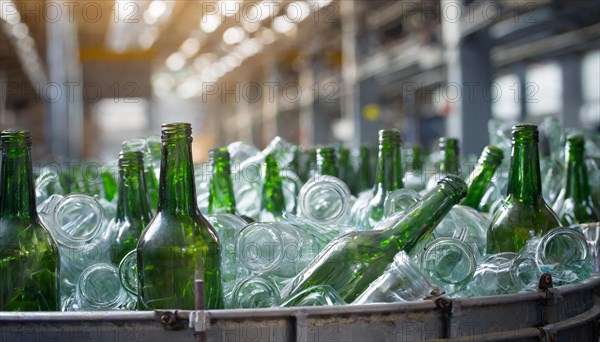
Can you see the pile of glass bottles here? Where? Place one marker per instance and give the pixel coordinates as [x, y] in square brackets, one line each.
[288, 226]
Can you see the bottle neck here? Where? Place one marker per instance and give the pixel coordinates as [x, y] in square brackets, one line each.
[326, 163]
[398, 171]
[221, 197]
[477, 184]
[272, 193]
[423, 218]
[132, 201]
[17, 192]
[386, 175]
[177, 194]
[524, 179]
[577, 186]
[451, 160]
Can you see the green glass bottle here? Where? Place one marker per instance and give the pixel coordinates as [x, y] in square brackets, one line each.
[388, 178]
[143, 146]
[221, 199]
[578, 206]
[450, 163]
[345, 169]
[29, 259]
[478, 180]
[398, 170]
[179, 245]
[133, 210]
[327, 162]
[363, 173]
[353, 261]
[523, 213]
[109, 184]
[272, 191]
[417, 158]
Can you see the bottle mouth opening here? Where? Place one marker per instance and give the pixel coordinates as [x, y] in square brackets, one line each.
[575, 141]
[15, 138]
[448, 142]
[131, 158]
[260, 247]
[492, 155]
[525, 132]
[264, 293]
[453, 186]
[389, 136]
[221, 153]
[176, 130]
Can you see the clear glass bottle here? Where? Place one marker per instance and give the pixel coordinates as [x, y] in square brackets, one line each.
[179, 245]
[29, 256]
[524, 212]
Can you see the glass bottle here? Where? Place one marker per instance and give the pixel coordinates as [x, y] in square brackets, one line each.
[29, 259]
[327, 162]
[345, 170]
[179, 245]
[363, 173]
[450, 156]
[143, 146]
[577, 204]
[524, 212]
[272, 191]
[133, 210]
[353, 261]
[388, 178]
[478, 180]
[221, 199]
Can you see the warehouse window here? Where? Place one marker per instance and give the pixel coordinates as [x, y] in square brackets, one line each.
[543, 89]
[506, 107]
[590, 79]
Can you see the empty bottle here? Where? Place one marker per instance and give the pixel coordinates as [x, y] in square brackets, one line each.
[273, 202]
[351, 262]
[325, 200]
[327, 162]
[389, 178]
[255, 292]
[401, 281]
[29, 257]
[150, 179]
[575, 204]
[478, 180]
[524, 212]
[133, 210]
[363, 173]
[221, 199]
[450, 160]
[179, 245]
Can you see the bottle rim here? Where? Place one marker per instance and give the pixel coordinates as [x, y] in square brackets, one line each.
[64, 237]
[525, 132]
[454, 186]
[319, 185]
[83, 296]
[432, 251]
[257, 263]
[219, 153]
[448, 142]
[492, 155]
[176, 130]
[131, 158]
[387, 136]
[574, 238]
[15, 138]
[266, 284]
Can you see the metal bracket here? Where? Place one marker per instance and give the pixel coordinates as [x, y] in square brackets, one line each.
[169, 320]
[548, 295]
[301, 326]
[445, 306]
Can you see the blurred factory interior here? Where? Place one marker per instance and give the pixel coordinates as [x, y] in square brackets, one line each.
[85, 75]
